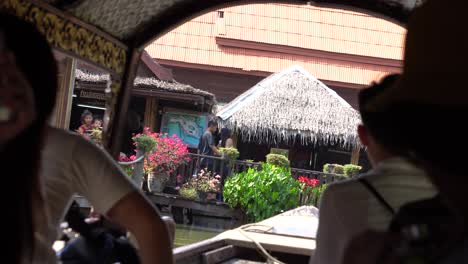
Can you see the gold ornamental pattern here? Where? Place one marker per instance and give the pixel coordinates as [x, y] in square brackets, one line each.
[69, 36]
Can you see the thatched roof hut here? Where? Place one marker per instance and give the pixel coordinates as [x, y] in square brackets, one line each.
[291, 106]
[148, 86]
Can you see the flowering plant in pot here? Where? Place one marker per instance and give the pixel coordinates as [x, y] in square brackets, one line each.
[168, 153]
[207, 184]
[188, 192]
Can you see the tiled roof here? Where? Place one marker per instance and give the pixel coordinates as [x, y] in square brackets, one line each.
[333, 31]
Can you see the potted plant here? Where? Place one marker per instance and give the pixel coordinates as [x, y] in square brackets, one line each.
[188, 192]
[278, 160]
[163, 155]
[207, 184]
[230, 155]
[351, 170]
[333, 168]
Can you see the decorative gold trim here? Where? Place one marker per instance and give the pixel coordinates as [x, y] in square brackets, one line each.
[68, 36]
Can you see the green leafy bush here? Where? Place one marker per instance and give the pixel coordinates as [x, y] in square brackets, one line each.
[189, 193]
[279, 151]
[262, 193]
[278, 160]
[352, 170]
[231, 154]
[145, 142]
[333, 168]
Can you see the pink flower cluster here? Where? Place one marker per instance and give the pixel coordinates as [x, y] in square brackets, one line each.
[170, 152]
[308, 182]
[206, 181]
[124, 158]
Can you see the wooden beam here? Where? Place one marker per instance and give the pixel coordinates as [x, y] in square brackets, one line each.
[115, 117]
[186, 254]
[220, 254]
[151, 112]
[355, 155]
[216, 209]
[63, 103]
[159, 71]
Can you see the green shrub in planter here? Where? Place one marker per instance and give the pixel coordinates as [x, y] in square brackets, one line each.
[189, 193]
[351, 170]
[278, 160]
[338, 169]
[333, 168]
[145, 142]
[231, 154]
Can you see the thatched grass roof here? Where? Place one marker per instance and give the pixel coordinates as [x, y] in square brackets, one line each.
[289, 106]
[174, 87]
[85, 76]
[145, 83]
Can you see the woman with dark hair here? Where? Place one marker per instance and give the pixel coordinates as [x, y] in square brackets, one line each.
[86, 123]
[69, 163]
[23, 114]
[226, 140]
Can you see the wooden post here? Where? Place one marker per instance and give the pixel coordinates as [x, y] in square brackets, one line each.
[235, 138]
[151, 112]
[355, 155]
[66, 80]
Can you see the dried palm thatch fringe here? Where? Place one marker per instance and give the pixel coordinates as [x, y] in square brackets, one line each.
[85, 76]
[145, 83]
[152, 83]
[294, 108]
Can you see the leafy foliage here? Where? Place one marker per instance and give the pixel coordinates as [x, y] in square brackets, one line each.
[279, 151]
[351, 170]
[262, 193]
[311, 190]
[278, 160]
[145, 142]
[205, 181]
[231, 154]
[163, 153]
[333, 168]
[188, 193]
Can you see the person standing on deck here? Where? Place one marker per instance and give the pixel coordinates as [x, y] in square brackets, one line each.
[207, 146]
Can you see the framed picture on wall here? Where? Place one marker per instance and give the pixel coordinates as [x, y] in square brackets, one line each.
[188, 126]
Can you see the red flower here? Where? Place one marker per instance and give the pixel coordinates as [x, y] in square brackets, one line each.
[308, 182]
[314, 182]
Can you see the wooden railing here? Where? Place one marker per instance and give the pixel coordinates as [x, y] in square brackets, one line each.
[220, 166]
